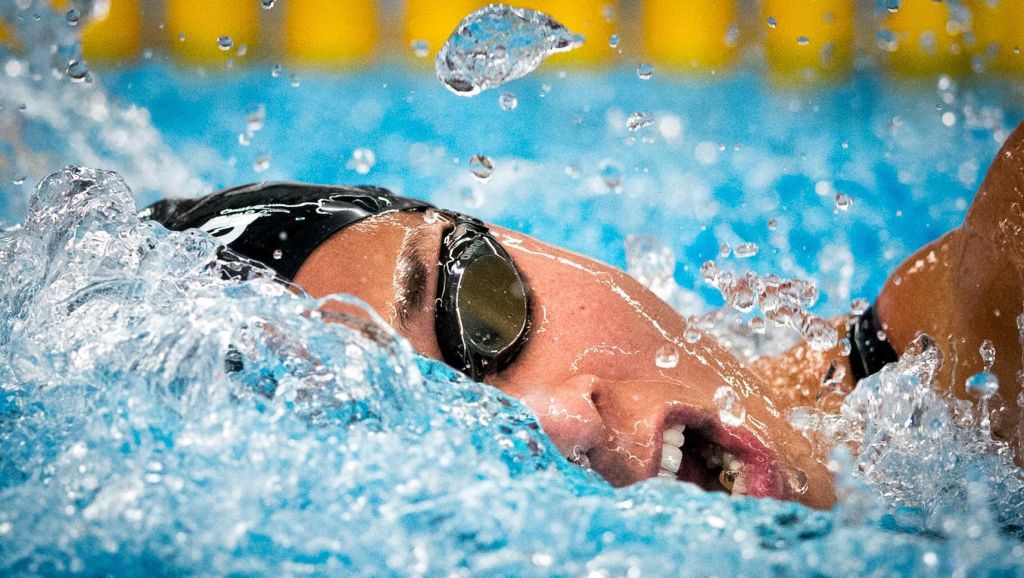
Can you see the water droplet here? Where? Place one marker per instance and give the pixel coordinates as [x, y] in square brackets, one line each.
[843, 202]
[892, 5]
[745, 250]
[18, 180]
[499, 43]
[637, 121]
[430, 216]
[844, 346]
[244, 139]
[294, 80]
[730, 410]
[667, 356]
[983, 384]
[181, 37]
[73, 16]
[859, 306]
[361, 161]
[988, 354]
[803, 41]
[771, 22]
[420, 48]
[267, 4]
[645, 71]
[508, 101]
[78, 71]
[614, 40]
[611, 174]
[773, 224]
[276, 71]
[692, 333]
[261, 163]
[948, 118]
[278, 254]
[572, 171]
[724, 250]
[757, 325]
[482, 167]
[225, 42]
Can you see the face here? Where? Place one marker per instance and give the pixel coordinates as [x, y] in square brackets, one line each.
[593, 365]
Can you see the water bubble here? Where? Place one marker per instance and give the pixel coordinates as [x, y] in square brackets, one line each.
[499, 43]
[361, 161]
[481, 167]
[78, 71]
[843, 202]
[988, 354]
[859, 306]
[983, 384]
[691, 334]
[745, 250]
[730, 410]
[508, 101]
[637, 121]
[225, 43]
[614, 40]
[267, 4]
[771, 22]
[667, 356]
[645, 71]
[611, 174]
[420, 48]
[261, 163]
[73, 16]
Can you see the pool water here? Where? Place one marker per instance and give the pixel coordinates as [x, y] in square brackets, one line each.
[127, 447]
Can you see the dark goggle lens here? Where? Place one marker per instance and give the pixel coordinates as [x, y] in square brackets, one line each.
[492, 305]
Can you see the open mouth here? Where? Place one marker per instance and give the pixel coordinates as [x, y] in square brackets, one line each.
[717, 459]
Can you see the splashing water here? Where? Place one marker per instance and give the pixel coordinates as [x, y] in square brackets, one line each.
[157, 417]
[499, 43]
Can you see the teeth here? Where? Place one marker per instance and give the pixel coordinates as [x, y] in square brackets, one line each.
[671, 458]
[674, 437]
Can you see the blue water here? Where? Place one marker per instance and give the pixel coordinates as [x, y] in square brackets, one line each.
[127, 448]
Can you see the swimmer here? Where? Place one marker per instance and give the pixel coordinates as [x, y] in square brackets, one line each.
[577, 340]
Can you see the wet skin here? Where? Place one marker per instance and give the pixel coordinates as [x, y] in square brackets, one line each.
[588, 369]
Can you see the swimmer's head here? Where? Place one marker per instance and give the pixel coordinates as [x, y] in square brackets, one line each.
[579, 342]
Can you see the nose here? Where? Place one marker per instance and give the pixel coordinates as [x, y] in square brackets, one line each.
[566, 412]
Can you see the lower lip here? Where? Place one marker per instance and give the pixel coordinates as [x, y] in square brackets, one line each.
[760, 464]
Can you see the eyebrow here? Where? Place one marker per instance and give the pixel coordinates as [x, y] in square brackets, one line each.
[411, 274]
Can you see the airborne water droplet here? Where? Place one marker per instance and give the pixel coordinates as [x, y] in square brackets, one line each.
[614, 40]
[771, 22]
[730, 410]
[78, 71]
[983, 384]
[508, 101]
[988, 354]
[645, 71]
[20, 180]
[267, 4]
[362, 161]
[859, 306]
[276, 71]
[225, 42]
[482, 167]
[843, 202]
[420, 48]
[261, 164]
[278, 254]
[611, 174]
[73, 16]
[803, 40]
[499, 43]
[638, 120]
[667, 356]
[745, 250]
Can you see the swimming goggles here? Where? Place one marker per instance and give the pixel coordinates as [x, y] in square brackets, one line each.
[482, 314]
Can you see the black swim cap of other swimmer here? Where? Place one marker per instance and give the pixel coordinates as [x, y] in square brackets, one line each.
[279, 224]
